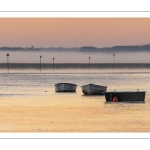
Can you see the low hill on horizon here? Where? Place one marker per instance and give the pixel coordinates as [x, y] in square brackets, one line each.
[130, 48]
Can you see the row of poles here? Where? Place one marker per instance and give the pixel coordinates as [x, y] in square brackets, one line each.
[53, 62]
[40, 63]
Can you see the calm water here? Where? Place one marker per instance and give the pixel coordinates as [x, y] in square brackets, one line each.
[29, 84]
[26, 90]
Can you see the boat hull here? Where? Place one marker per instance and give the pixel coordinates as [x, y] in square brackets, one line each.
[65, 87]
[92, 89]
[125, 96]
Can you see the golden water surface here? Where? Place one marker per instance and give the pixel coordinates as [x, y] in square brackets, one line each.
[72, 112]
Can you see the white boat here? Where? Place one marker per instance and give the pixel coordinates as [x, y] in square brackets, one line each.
[92, 89]
[65, 87]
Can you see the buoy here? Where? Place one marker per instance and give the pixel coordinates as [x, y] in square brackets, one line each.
[115, 99]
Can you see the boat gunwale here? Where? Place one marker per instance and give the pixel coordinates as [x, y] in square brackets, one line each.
[66, 83]
[94, 84]
[126, 92]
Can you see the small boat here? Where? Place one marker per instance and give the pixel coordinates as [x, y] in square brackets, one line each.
[65, 87]
[92, 89]
[124, 96]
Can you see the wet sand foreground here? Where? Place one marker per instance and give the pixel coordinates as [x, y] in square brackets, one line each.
[72, 113]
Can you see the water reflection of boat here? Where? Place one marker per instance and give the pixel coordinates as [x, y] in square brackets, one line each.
[65, 87]
[124, 96]
[92, 89]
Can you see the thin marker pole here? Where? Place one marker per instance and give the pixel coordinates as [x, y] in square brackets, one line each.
[40, 63]
[114, 58]
[53, 64]
[89, 62]
[8, 63]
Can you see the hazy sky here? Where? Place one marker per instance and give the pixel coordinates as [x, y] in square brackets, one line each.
[74, 32]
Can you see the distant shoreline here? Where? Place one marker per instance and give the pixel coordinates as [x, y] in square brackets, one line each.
[89, 49]
[76, 66]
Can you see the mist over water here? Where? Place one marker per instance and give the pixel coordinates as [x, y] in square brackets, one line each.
[74, 57]
[72, 62]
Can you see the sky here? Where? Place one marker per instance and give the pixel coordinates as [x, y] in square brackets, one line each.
[73, 32]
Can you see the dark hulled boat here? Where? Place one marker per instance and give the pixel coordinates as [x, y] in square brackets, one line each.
[125, 96]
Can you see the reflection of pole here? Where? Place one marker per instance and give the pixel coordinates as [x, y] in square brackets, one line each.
[40, 63]
[8, 63]
[114, 58]
[53, 64]
[89, 62]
